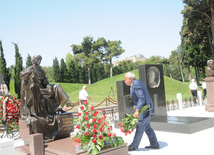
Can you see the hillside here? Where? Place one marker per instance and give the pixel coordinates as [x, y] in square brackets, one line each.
[102, 89]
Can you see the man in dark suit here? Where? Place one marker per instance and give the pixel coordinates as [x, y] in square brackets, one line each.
[141, 97]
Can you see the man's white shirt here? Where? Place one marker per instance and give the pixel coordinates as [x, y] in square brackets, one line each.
[83, 94]
[193, 86]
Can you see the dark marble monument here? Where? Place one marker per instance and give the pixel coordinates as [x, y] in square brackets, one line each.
[152, 76]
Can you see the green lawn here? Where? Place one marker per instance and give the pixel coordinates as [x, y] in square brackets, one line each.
[102, 89]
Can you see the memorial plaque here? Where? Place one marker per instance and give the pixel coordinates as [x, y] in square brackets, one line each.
[66, 125]
[152, 76]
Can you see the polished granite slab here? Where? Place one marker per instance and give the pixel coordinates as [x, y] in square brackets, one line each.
[181, 124]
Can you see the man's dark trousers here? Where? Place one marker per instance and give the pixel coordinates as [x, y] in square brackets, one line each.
[144, 125]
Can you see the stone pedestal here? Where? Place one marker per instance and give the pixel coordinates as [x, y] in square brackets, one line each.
[66, 127]
[210, 94]
[34, 141]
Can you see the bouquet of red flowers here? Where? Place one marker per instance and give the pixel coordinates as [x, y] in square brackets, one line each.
[94, 130]
[129, 122]
[9, 112]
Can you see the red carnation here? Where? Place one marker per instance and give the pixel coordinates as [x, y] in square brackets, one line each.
[109, 134]
[104, 117]
[114, 134]
[82, 108]
[92, 108]
[84, 102]
[94, 141]
[99, 121]
[94, 131]
[86, 118]
[86, 134]
[95, 126]
[78, 127]
[118, 123]
[101, 129]
[79, 114]
[94, 120]
[94, 136]
[88, 125]
[100, 137]
[95, 114]
[86, 113]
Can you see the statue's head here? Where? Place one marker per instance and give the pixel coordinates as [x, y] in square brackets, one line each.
[36, 60]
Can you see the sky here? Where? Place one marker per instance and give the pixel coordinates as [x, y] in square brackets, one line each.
[50, 27]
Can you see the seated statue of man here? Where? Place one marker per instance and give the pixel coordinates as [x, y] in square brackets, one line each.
[41, 101]
[209, 70]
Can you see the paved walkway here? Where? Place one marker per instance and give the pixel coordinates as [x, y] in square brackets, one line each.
[198, 143]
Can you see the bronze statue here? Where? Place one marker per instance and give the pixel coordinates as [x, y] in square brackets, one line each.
[209, 70]
[41, 101]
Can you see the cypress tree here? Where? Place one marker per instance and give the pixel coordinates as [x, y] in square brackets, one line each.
[56, 70]
[3, 67]
[63, 71]
[18, 68]
[28, 61]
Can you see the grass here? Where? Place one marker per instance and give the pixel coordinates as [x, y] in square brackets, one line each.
[102, 89]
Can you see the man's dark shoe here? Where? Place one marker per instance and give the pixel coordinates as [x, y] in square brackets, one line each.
[152, 147]
[131, 148]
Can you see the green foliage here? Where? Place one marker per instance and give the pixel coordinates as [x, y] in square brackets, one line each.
[18, 68]
[86, 53]
[196, 35]
[108, 50]
[63, 71]
[28, 61]
[49, 73]
[56, 70]
[3, 68]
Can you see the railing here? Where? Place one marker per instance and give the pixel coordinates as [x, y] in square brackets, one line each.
[107, 100]
[172, 105]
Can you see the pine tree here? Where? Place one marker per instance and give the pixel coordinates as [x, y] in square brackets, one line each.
[3, 68]
[18, 68]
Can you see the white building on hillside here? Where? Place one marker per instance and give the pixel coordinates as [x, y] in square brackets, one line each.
[133, 58]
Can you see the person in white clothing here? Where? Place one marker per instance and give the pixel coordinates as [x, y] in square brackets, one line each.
[83, 95]
[193, 88]
[204, 89]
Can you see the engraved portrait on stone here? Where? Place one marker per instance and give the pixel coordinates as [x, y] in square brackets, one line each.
[153, 77]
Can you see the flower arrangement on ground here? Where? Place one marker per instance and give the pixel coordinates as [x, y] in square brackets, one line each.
[129, 122]
[94, 130]
[10, 118]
